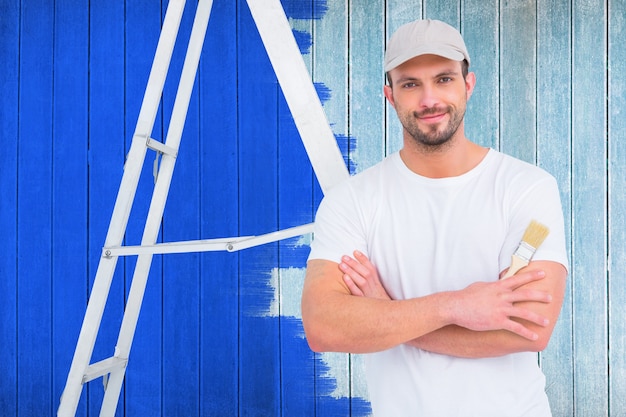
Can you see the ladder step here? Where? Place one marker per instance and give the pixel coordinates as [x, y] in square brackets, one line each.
[104, 367]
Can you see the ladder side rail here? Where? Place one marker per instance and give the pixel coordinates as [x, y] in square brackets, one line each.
[157, 204]
[121, 212]
[297, 86]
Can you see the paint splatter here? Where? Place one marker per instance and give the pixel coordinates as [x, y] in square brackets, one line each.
[347, 145]
[304, 41]
[323, 92]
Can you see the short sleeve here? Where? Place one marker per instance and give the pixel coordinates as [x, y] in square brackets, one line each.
[540, 202]
[338, 228]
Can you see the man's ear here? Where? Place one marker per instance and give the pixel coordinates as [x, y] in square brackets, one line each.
[470, 83]
[389, 95]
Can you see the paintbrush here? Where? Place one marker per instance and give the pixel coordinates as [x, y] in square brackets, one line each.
[533, 237]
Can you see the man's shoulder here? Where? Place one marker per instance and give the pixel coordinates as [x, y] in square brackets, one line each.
[515, 167]
[370, 178]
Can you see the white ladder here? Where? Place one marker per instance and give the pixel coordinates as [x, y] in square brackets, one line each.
[315, 133]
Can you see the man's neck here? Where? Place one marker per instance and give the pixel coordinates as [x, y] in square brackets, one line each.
[449, 160]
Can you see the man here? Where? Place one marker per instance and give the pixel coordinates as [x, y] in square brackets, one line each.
[439, 219]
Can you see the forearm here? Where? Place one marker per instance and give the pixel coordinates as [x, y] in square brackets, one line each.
[461, 342]
[344, 323]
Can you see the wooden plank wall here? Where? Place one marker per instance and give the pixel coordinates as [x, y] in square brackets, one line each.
[220, 333]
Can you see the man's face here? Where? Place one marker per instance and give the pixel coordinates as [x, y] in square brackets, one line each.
[430, 95]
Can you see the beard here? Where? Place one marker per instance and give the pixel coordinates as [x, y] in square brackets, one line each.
[435, 136]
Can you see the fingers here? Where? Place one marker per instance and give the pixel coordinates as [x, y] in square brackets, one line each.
[528, 295]
[362, 266]
[530, 316]
[521, 279]
[361, 277]
[521, 330]
[354, 289]
[353, 270]
[364, 260]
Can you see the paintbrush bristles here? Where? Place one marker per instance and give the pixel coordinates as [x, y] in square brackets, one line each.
[535, 234]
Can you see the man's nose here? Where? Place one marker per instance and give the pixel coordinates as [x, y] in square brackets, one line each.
[429, 97]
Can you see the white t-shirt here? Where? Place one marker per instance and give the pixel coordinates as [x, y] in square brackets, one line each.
[429, 235]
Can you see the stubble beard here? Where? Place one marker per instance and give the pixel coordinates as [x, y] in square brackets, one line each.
[435, 138]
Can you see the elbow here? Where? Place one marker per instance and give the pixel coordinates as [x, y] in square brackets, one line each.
[315, 344]
[322, 334]
[541, 343]
[538, 345]
[315, 336]
[318, 327]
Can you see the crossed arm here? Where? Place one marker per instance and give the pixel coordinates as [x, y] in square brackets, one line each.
[361, 277]
[368, 321]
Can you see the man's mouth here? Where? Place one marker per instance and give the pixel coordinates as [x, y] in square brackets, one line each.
[432, 116]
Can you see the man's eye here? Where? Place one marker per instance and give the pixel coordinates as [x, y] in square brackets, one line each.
[445, 79]
[409, 85]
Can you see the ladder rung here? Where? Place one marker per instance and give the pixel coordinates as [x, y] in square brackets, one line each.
[104, 367]
[230, 244]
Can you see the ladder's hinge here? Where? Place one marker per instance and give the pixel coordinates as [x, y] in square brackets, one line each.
[155, 145]
[104, 367]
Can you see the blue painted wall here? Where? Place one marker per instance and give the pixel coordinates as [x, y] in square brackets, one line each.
[219, 333]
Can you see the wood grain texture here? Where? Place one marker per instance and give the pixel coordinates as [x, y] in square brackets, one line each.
[481, 31]
[617, 207]
[518, 74]
[176, 287]
[218, 165]
[69, 203]
[589, 214]
[106, 154]
[554, 136]
[9, 132]
[219, 333]
[366, 111]
[259, 353]
[142, 27]
[34, 202]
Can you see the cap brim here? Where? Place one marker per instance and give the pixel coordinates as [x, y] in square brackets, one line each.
[448, 53]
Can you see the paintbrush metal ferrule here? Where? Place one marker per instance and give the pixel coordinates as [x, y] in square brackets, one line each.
[525, 251]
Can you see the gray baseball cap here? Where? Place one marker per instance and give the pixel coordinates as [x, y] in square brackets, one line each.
[423, 37]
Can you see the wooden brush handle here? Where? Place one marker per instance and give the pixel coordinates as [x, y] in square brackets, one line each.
[517, 263]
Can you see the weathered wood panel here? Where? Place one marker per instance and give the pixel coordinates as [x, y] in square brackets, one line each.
[219, 285]
[34, 204]
[554, 134]
[589, 203]
[480, 26]
[69, 203]
[617, 207]
[106, 154]
[220, 333]
[259, 355]
[9, 128]
[142, 20]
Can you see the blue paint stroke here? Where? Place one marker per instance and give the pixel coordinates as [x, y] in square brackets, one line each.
[298, 9]
[323, 387]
